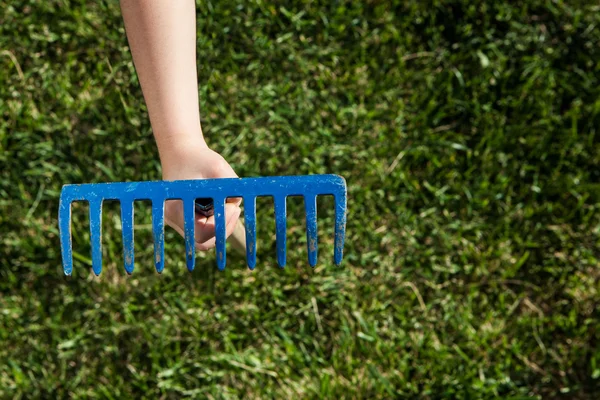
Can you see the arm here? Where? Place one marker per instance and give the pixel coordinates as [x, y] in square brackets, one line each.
[162, 38]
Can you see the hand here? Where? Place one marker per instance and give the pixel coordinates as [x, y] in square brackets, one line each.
[199, 162]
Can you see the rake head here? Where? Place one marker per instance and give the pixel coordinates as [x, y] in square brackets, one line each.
[190, 191]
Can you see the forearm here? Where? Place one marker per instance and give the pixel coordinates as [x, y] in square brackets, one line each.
[162, 38]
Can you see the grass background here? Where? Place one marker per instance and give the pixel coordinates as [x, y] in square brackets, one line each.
[468, 135]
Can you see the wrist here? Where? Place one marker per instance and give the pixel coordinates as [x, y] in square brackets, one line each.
[175, 150]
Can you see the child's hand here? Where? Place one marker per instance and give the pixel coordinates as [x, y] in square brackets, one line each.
[199, 163]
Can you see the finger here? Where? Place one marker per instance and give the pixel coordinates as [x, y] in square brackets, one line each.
[205, 227]
[205, 237]
[174, 215]
[230, 227]
[235, 200]
[232, 222]
[174, 219]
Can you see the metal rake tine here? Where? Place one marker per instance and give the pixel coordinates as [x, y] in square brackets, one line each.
[189, 222]
[250, 219]
[310, 204]
[220, 232]
[340, 226]
[158, 231]
[280, 228]
[64, 224]
[96, 234]
[127, 232]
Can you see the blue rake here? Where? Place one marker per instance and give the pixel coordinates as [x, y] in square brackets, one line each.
[190, 191]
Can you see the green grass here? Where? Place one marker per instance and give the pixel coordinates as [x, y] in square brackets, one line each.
[469, 138]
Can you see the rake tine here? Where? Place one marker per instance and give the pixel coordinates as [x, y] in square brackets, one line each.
[220, 232]
[250, 219]
[158, 230]
[127, 231]
[310, 204]
[340, 227]
[189, 217]
[280, 227]
[96, 234]
[66, 246]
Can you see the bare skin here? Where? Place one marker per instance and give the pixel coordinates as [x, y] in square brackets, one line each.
[162, 39]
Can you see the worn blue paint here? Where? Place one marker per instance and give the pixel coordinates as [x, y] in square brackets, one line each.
[64, 227]
[220, 232]
[310, 205]
[250, 217]
[279, 187]
[96, 234]
[127, 223]
[280, 228]
[158, 231]
[340, 226]
[189, 217]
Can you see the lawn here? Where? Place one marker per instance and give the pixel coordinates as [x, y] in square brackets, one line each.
[469, 136]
